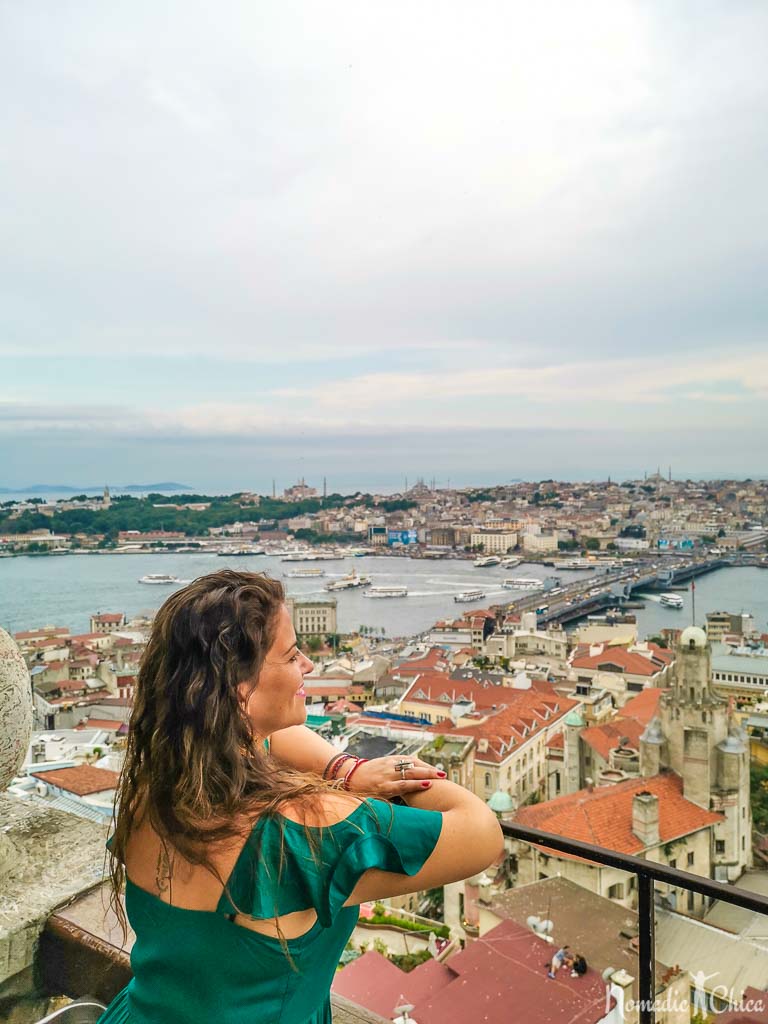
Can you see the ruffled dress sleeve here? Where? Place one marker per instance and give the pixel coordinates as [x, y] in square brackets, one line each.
[285, 868]
[394, 838]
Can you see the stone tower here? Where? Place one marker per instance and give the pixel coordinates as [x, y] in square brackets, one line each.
[696, 736]
[573, 723]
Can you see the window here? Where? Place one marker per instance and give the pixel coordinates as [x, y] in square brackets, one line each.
[487, 780]
[719, 846]
[690, 859]
[690, 900]
[616, 891]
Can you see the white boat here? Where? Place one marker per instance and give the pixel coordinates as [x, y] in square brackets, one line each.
[239, 552]
[311, 556]
[487, 560]
[671, 601]
[159, 578]
[521, 583]
[470, 595]
[348, 582]
[575, 564]
[386, 592]
[511, 563]
[304, 574]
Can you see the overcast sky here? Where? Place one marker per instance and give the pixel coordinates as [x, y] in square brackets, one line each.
[476, 241]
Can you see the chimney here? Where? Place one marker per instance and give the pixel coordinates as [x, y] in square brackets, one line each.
[645, 818]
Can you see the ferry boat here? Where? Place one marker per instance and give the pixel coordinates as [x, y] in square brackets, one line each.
[470, 595]
[521, 583]
[386, 592]
[511, 563]
[159, 578]
[311, 556]
[671, 601]
[575, 564]
[348, 582]
[487, 560]
[304, 574]
[239, 552]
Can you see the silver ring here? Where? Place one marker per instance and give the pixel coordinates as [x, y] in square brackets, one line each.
[403, 766]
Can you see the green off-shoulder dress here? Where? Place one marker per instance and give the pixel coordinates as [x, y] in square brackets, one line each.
[199, 967]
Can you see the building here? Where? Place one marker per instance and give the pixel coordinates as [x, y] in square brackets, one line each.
[690, 807]
[740, 672]
[495, 979]
[313, 618]
[622, 670]
[299, 492]
[107, 622]
[723, 626]
[493, 542]
[696, 736]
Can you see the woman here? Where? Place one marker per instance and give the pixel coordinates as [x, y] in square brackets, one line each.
[245, 841]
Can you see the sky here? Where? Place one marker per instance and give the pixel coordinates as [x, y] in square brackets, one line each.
[366, 241]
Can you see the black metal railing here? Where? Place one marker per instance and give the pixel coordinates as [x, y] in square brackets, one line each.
[647, 873]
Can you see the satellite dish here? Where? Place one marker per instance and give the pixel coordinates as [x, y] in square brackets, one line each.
[608, 973]
[532, 922]
[546, 926]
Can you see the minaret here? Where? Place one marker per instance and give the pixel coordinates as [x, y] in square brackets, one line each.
[106, 501]
[325, 488]
[273, 487]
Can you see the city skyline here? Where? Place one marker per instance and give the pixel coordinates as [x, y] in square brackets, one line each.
[296, 241]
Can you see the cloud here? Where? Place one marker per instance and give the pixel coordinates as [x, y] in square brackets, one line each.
[476, 398]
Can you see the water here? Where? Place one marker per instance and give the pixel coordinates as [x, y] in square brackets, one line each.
[67, 590]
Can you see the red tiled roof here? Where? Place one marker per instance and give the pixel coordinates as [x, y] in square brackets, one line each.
[31, 634]
[631, 662]
[505, 728]
[556, 741]
[604, 815]
[108, 617]
[503, 969]
[630, 724]
[80, 700]
[81, 780]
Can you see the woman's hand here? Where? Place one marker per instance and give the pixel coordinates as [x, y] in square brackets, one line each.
[383, 777]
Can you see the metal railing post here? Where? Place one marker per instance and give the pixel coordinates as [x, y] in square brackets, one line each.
[647, 948]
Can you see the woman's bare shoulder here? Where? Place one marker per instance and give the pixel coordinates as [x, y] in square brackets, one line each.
[321, 810]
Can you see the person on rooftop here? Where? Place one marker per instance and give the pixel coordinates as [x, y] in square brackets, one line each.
[563, 957]
[243, 841]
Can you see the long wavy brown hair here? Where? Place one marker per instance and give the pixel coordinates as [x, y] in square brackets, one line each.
[193, 763]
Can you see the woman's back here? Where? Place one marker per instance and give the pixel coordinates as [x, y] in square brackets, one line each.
[193, 962]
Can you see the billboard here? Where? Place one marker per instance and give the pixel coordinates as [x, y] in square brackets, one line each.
[402, 537]
[681, 544]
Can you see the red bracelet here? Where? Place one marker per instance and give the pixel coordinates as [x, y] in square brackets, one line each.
[334, 758]
[339, 762]
[351, 772]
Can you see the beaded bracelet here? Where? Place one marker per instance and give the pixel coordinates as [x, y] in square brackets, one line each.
[334, 758]
[351, 772]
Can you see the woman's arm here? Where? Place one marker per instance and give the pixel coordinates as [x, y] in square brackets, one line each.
[470, 841]
[301, 748]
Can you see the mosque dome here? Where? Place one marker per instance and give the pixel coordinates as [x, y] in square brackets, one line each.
[693, 636]
[501, 802]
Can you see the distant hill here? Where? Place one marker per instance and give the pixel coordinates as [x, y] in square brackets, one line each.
[97, 489]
